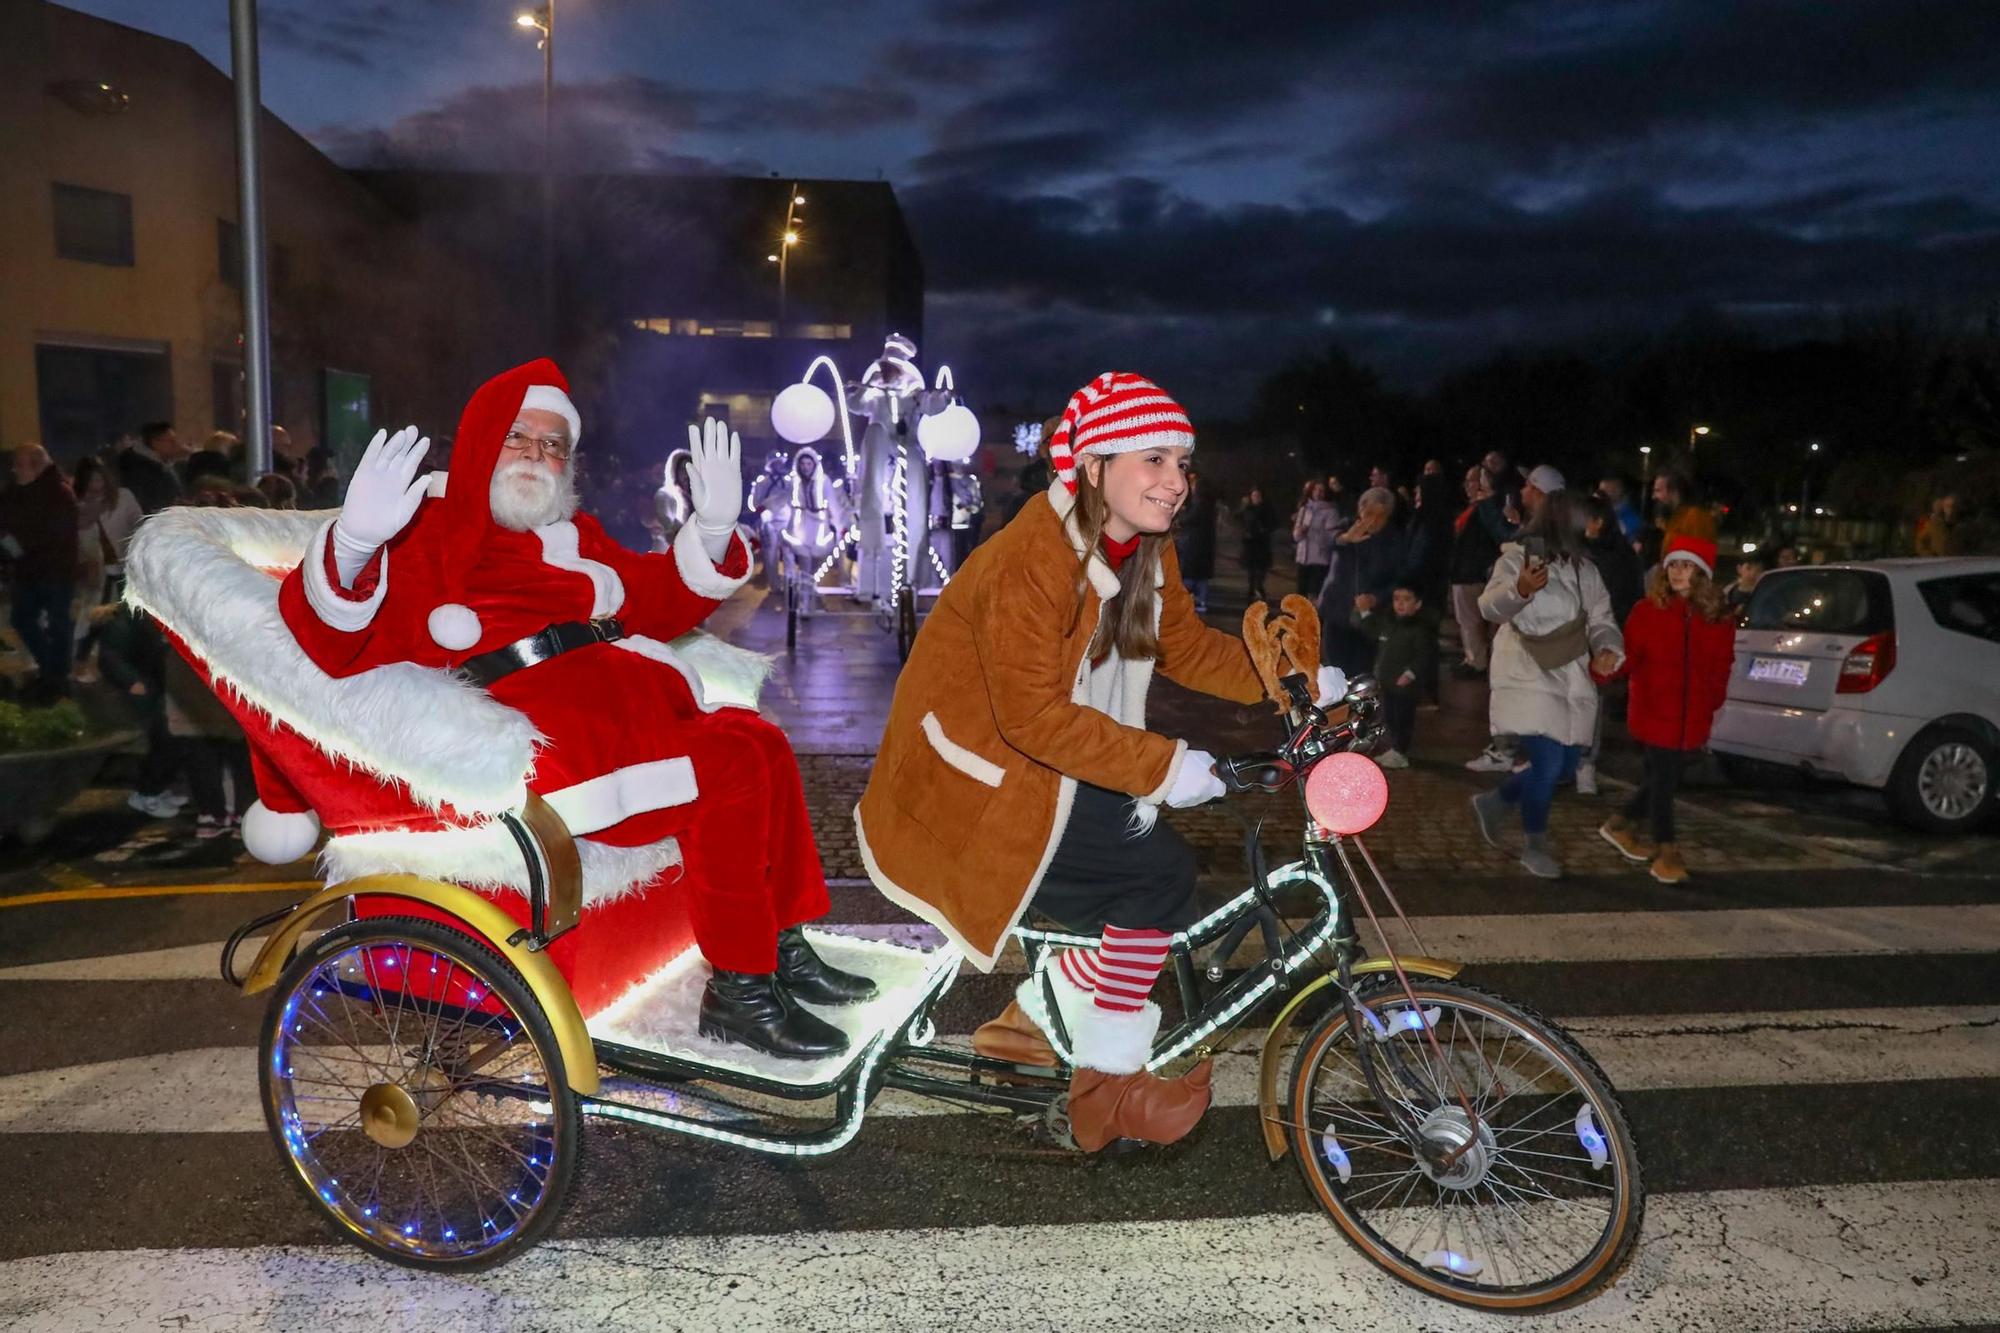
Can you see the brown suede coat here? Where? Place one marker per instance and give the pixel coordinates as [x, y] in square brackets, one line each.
[998, 716]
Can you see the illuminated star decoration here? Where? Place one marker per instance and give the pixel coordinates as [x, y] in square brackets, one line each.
[1028, 437]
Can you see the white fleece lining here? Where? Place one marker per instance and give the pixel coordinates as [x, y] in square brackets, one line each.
[559, 548]
[1107, 1040]
[612, 798]
[1159, 793]
[485, 856]
[974, 766]
[701, 574]
[1103, 578]
[346, 614]
[210, 575]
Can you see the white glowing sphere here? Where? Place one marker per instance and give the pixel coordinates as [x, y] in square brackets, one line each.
[950, 436]
[802, 414]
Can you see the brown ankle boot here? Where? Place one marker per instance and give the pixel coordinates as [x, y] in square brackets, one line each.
[1104, 1107]
[1668, 868]
[1631, 844]
[1013, 1037]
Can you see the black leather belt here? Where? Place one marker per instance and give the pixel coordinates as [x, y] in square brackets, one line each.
[541, 647]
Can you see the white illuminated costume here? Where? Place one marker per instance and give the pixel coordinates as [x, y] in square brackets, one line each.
[892, 396]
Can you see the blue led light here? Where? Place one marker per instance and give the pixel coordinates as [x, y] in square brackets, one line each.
[409, 1228]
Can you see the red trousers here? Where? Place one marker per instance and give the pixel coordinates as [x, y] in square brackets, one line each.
[750, 867]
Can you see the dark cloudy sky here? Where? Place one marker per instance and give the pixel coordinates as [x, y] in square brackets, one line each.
[1198, 188]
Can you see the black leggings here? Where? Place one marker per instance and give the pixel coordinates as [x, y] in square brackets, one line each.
[1654, 801]
[1102, 875]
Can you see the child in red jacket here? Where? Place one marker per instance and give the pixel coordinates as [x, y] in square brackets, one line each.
[1680, 642]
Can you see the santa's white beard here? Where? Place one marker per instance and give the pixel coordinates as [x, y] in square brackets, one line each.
[526, 495]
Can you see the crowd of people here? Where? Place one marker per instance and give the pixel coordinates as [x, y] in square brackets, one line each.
[65, 537]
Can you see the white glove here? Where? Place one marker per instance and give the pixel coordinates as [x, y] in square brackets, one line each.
[1332, 687]
[1196, 782]
[715, 483]
[381, 498]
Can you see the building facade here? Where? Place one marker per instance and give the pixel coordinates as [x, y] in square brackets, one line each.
[121, 256]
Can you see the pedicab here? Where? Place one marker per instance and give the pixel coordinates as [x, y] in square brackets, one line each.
[472, 984]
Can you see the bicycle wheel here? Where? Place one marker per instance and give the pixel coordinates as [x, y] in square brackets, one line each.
[415, 1086]
[1542, 1207]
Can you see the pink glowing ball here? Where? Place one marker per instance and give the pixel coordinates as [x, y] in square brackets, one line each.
[1347, 793]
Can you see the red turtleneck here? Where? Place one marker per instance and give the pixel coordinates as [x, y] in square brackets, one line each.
[1117, 553]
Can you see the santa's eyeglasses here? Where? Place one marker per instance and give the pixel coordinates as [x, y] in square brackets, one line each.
[554, 446]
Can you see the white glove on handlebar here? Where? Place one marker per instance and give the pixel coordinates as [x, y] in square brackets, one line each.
[715, 483]
[1195, 783]
[1332, 687]
[382, 497]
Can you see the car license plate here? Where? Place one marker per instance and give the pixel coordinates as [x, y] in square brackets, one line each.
[1779, 670]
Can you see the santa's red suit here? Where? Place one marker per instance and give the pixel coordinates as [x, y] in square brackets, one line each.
[632, 753]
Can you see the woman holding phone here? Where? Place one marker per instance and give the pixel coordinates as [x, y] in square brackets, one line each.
[1556, 630]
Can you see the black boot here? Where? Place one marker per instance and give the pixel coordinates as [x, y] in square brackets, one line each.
[812, 979]
[753, 1008]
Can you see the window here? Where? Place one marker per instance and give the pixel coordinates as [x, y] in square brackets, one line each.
[1968, 604]
[229, 252]
[1830, 601]
[94, 226]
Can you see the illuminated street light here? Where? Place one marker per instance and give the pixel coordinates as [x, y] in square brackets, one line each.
[788, 237]
[772, 258]
[798, 199]
[791, 238]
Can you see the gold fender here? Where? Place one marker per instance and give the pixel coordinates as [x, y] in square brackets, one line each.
[489, 925]
[1267, 1067]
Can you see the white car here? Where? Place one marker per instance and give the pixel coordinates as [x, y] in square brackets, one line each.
[1883, 673]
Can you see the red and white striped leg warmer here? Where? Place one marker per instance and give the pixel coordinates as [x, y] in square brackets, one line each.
[1079, 966]
[1128, 963]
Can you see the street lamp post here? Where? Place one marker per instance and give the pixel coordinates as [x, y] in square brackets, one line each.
[1646, 480]
[1805, 478]
[543, 21]
[1695, 434]
[788, 238]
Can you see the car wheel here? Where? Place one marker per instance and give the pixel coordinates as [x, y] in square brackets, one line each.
[1740, 772]
[1944, 781]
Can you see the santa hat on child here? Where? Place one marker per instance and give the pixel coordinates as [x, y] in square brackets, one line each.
[1697, 551]
[1116, 413]
[475, 453]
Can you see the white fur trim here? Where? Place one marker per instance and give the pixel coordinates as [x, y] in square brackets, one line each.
[977, 767]
[346, 614]
[485, 856]
[1103, 578]
[1159, 793]
[699, 572]
[720, 674]
[278, 838]
[453, 626]
[548, 398]
[559, 548]
[210, 575]
[612, 798]
[1690, 557]
[1111, 1041]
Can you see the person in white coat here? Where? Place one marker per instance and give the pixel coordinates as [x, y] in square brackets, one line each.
[1556, 629]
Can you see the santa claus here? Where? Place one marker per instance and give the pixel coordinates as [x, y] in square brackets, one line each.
[494, 575]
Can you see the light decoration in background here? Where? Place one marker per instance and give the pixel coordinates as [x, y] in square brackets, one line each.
[1028, 437]
[950, 436]
[900, 490]
[803, 413]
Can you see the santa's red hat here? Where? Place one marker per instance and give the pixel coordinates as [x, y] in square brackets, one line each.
[1116, 413]
[1697, 551]
[475, 453]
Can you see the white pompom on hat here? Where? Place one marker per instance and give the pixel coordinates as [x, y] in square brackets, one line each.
[548, 398]
[453, 626]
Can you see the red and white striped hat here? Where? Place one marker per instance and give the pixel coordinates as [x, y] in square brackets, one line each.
[1116, 413]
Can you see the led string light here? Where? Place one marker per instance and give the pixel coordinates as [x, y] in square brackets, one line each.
[901, 489]
[840, 405]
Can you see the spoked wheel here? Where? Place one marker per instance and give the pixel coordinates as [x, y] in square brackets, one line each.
[417, 1089]
[1542, 1204]
[906, 623]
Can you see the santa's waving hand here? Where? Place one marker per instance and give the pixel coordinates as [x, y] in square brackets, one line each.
[381, 499]
[715, 478]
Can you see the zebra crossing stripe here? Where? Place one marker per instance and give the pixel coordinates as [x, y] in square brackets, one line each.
[1819, 1258]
